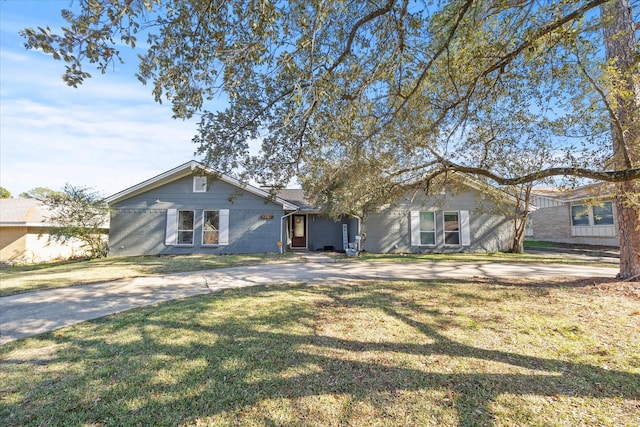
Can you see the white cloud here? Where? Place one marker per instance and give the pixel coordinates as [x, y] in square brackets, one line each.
[108, 134]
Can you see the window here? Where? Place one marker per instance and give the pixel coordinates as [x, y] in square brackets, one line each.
[584, 215]
[210, 228]
[199, 184]
[425, 233]
[451, 228]
[603, 215]
[185, 227]
[183, 224]
[427, 228]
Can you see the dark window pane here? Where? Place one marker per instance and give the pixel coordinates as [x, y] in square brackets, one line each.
[603, 215]
[452, 238]
[185, 237]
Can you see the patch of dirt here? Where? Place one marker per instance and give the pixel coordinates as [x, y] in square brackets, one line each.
[596, 285]
[628, 289]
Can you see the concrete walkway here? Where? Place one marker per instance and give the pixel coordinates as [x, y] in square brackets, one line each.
[32, 313]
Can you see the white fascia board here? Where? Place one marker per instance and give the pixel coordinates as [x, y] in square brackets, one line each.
[151, 183]
[24, 224]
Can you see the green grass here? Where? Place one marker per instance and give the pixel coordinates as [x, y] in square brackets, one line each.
[539, 244]
[28, 278]
[470, 353]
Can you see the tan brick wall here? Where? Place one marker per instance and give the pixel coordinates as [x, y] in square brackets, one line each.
[12, 243]
[32, 245]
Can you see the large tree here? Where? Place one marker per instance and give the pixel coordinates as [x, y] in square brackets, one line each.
[400, 91]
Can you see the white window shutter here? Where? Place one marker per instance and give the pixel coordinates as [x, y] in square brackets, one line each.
[465, 232]
[172, 223]
[415, 228]
[223, 229]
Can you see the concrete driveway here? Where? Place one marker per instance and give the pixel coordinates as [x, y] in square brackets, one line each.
[32, 313]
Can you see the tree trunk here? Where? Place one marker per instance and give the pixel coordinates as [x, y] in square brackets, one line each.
[523, 204]
[517, 244]
[628, 216]
[620, 46]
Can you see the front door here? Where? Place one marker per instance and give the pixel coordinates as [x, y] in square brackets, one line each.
[299, 231]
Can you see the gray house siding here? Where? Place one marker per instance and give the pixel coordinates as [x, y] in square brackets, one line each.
[389, 229]
[150, 219]
[139, 223]
[326, 233]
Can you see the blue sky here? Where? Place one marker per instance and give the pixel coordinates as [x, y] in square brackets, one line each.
[108, 134]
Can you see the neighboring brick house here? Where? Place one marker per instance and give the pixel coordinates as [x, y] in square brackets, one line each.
[584, 215]
[24, 234]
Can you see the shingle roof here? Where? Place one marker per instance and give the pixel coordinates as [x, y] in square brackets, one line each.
[297, 197]
[22, 212]
[600, 190]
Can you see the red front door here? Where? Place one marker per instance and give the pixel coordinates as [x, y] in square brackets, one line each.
[298, 231]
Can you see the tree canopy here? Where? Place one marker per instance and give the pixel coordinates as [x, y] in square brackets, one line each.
[416, 82]
[386, 91]
[40, 193]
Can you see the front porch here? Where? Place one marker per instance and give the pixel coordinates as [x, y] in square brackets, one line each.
[313, 232]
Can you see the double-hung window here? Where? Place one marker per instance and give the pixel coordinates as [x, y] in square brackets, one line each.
[451, 228]
[427, 228]
[186, 220]
[211, 228]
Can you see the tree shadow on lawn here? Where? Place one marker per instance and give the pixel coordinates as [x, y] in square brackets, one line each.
[238, 360]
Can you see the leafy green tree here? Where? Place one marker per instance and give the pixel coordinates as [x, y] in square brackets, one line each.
[4, 193]
[402, 87]
[78, 213]
[39, 193]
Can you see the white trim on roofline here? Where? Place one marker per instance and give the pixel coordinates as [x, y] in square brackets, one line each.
[25, 224]
[185, 170]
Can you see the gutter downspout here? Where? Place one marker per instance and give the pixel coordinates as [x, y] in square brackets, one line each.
[281, 219]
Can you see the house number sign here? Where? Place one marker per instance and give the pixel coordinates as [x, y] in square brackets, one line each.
[266, 216]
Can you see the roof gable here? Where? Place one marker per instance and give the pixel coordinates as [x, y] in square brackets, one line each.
[191, 168]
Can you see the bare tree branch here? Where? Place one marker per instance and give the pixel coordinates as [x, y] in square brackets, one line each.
[608, 176]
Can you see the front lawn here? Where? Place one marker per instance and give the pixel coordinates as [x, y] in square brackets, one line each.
[34, 277]
[445, 353]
